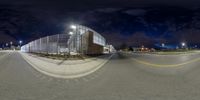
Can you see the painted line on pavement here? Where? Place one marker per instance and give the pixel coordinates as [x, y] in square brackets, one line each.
[170, 65]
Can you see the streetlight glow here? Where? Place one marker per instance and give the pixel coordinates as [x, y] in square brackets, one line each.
[183, 44]
[11, 43]
[73, 26]
[163, 44]
[20, 42]
[70, 33]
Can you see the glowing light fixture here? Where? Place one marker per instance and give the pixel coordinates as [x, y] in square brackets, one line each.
[70, 33]
[73, 26]
[183, 44]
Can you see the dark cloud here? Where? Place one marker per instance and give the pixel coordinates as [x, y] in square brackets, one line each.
[6, 38]
[136, 12]
[115, 19]
[91, 4]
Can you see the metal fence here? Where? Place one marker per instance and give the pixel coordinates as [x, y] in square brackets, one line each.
[81, 40]
[55, 44]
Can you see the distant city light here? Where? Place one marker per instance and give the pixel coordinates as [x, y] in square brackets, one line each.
[183, 44]
[20, 43]
[163, 44]
[142, 46]
[11, 43]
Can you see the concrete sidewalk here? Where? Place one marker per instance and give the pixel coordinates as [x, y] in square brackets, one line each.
[68, 62]
[68, 69]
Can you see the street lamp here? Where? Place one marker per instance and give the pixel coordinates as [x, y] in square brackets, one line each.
[11, 43]
[70, 33]
[163, 44]
[69, 48]
[183, 44]
[73, 26]
[20, 42]
[6, 44]
[77, 30]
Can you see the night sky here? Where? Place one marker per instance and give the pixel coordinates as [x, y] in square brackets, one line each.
[134, 22]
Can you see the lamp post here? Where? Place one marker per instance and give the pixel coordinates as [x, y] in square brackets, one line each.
[11, 44]
[163, 45]
[20, 43]
[75, 37]
[6, 44]
[69, 42]
[183, 44]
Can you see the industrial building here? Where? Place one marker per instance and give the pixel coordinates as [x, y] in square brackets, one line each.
[80, 40]
[84, 40]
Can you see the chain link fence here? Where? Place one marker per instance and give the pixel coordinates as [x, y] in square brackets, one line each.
[80, 40]
[55, 44]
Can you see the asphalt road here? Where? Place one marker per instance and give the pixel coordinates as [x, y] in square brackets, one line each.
[124, 77]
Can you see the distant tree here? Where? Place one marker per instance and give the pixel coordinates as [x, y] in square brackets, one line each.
[123, 46]
[130, 48]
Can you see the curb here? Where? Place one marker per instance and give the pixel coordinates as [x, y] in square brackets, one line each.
[67, 76]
